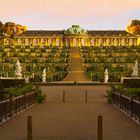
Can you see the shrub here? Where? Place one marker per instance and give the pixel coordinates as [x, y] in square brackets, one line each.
[132, 92]
[129, 92]
[113, 88]
[109, 96]
[18, 90]
[41, 97]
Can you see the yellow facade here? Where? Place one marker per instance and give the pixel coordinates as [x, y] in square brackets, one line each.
[71, 41]
[74, 36]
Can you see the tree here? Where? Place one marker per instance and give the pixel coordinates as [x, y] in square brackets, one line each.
[20, 29]
[134, 27]
[1, 28]
[9, 28]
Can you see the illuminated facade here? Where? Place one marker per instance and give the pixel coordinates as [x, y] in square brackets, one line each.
[74, 36]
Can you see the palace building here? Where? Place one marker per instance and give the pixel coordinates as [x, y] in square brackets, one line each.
[73, 36]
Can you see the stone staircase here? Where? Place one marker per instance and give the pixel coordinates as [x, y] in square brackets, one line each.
[76, 71]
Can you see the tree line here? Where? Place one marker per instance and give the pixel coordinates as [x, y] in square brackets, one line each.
[134, 27]
[11, 29]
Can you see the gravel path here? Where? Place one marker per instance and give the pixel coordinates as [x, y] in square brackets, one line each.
[73, 120]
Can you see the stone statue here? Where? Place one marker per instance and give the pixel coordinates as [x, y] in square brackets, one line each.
[44, 76]
[106, 76]
[18, 70]
[135, 69]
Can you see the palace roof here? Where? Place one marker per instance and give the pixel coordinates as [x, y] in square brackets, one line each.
[42, 32]
[89, 32]
[109, 32]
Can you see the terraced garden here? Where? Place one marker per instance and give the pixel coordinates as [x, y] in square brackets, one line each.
[34, 59]
[118, 60]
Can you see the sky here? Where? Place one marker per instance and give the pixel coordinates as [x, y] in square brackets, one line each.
[61, 14]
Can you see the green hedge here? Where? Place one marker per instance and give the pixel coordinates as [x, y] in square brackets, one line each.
[6, 83]
[132, 83]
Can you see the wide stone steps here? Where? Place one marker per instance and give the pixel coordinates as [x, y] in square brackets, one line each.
[76, 71]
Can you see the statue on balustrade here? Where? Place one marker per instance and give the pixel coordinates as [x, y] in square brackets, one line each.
[135, 69]
[106, 76]
[44, 76]
[18, 70]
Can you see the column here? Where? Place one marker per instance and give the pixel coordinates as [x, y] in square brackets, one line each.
[138, 42]
[46, 42]
[79, 42]
[115, 42]
[74, 42]
[41, 41]
[82, 42]
[66, 42]
[15, 41]
[53, 42]
[123, 42]
[57, 42]
[92, 42]
[34, 41]
[88, 39]
[100, 42]
[49, 42]
[95, 41]
[130, 42]
[26, 41]
[107, 42]
[19, 41]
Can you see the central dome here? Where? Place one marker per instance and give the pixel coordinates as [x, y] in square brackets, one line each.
[75, 30]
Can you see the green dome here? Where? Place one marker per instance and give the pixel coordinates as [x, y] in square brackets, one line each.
[75, 30]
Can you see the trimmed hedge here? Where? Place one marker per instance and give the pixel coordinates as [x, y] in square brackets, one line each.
[7, 83]
[131, 83]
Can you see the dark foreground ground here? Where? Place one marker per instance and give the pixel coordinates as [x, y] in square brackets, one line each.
[74, 119]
